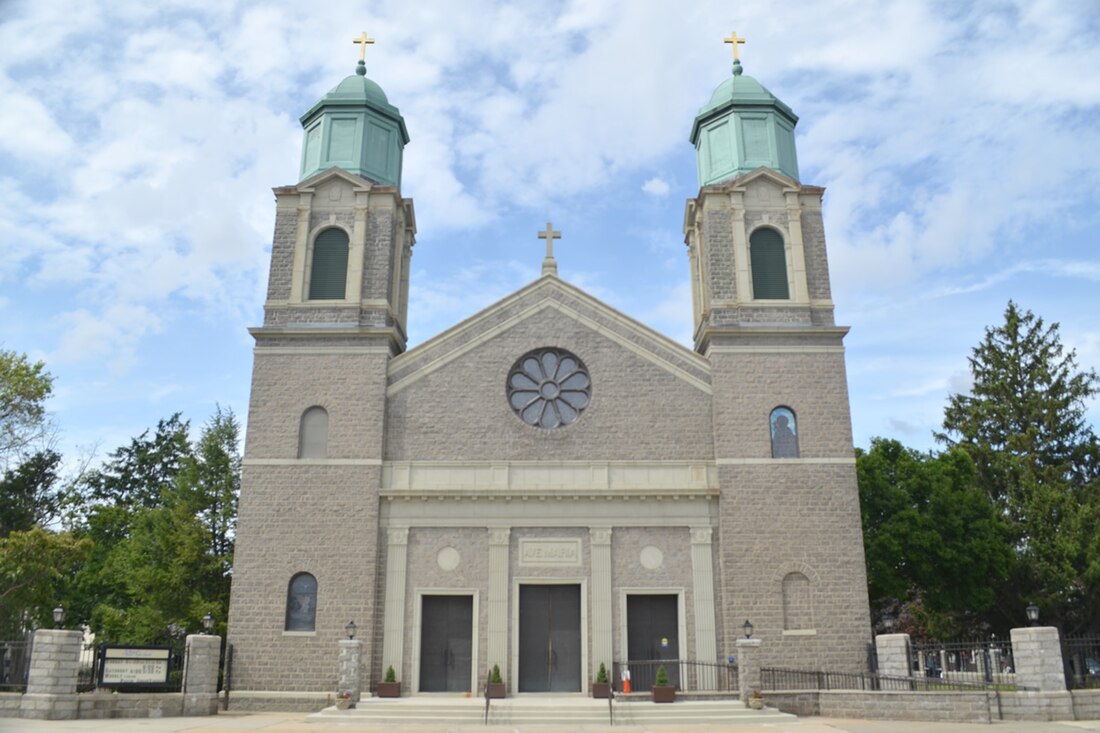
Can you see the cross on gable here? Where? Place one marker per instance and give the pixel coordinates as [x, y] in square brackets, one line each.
[549, 265]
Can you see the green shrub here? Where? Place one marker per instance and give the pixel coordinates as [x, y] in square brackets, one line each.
[495, 677]
[391, 676]
[601, 676]
[662, 677]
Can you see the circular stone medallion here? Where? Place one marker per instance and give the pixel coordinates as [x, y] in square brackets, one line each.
[448, 558]
[651, 558]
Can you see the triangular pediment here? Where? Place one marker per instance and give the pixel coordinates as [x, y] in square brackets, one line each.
[318, 181]
[552, 294]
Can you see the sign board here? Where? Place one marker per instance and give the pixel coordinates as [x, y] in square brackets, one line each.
[126, 666]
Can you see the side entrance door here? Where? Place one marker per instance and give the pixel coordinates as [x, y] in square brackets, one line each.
[653, 636]
[549, 638]
[446, 643]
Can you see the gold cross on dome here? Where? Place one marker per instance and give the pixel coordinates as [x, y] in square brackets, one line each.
[362, 42]
[549, 266]
[733, 39]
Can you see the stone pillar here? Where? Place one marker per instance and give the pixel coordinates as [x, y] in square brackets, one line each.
[1037, 653]
[349, 677]
[599, 539]
[51, 685]
[200, 674]
[497, 642]
[393, 630]
[893, 654]
[702, 586]
[748, 667]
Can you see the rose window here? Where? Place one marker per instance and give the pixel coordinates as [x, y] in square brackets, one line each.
[549, 388]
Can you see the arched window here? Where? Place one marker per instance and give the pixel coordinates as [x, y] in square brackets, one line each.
[313, 434]
[301, 603]
[796, 602]
[769, 265]
[328, 274]
[784, 431]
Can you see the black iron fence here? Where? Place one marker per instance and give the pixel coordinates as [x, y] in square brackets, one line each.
[779, 680]
[978, 661]
[684, 674]
[15, 664]
[1081, 656]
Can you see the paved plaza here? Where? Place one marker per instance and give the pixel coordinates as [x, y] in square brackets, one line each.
[296, 723]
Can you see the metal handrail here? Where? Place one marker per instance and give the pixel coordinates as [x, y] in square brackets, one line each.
[488, 680]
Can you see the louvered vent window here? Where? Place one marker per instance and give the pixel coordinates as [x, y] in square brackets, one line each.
[769, 265]
[313, 434]
[329, 272]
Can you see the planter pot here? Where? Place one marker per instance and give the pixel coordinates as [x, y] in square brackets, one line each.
[664, 694]
[601, 690]
[389, 689]
[496, 690]
[756, 703]
[343, 703]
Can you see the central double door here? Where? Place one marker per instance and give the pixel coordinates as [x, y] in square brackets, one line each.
[549, 638]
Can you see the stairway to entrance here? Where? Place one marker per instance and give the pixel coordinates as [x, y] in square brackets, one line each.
[544, 710]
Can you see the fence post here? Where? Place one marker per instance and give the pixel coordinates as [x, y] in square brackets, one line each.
[51, 683]
[202, 652]
[1037, 653]
[351, 651]
[893, 654]
[748, 668]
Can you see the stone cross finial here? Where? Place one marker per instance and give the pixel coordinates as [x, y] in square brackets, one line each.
[362, 42]
[733, 39]
[549, 265]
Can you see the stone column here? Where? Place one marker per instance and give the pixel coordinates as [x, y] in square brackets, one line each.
[349, 677]
[702, 587]
[393, 630]
[748, 667]
[893, 654]
[1037, 653]
[51, 685]
[200, 674]
[599, 539]
[497, 611]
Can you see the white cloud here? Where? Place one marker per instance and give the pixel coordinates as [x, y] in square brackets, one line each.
[657, 187]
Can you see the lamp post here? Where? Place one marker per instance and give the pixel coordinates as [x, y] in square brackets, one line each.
[208, 622]
[351, 629]
[58, 616]
[747, 628]
[1033, 614]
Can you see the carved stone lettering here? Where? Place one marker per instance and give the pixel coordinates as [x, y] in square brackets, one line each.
[565, 552]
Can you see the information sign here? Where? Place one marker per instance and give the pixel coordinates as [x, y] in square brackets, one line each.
[122, 666]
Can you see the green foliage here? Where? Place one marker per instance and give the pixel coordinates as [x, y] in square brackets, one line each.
[932, 539]
[662, 677]
[601, 675]
[494, 677]
[24, 387]
[1038, 461]
[28, 496]
[142, 473]
[391, 676]
[35, 567]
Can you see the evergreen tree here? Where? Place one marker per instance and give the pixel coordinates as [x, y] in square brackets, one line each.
[1023, 424]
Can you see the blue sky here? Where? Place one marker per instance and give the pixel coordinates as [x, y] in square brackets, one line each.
[139, 143]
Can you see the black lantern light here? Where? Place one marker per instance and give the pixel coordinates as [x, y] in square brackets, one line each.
[747, 628]
[351, 628]
[208, 622]
[58, 616]
[1033, 614]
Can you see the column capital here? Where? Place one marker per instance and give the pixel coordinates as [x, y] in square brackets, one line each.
[397, 535]
[701, 535]
[599, 535]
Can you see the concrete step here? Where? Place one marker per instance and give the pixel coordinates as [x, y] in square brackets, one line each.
[539, 710]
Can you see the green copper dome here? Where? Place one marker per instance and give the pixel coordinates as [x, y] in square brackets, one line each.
[354, 127]
[741, 128]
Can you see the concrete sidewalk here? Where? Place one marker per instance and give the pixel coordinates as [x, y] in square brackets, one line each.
[295, 723]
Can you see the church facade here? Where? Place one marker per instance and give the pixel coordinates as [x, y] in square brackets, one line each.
[549, 485]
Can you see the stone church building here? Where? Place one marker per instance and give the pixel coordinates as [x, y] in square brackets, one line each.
[549, 484]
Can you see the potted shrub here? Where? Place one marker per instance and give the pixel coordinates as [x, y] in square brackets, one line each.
[343, 700]
[601, 688]
[389, 686]
[662, 691]
[496, 684]
[756, 700]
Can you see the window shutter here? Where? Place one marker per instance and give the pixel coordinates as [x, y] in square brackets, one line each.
[769, 265]
[329, 272]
